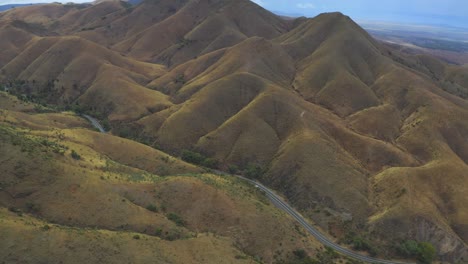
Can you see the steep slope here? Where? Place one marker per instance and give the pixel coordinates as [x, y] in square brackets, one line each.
[324, 159]
[14, 42]
[337, 62]
[89, 17]
[200, 27]
[43, 14]
[105, 189]
[64, 70]
[368, 142]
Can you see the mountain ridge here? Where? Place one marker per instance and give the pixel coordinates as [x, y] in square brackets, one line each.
[324, 113]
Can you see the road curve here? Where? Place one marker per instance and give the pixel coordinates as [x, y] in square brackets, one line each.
[95, 123]
[278, 202]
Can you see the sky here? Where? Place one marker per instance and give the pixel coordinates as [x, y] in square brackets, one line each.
[429, 12]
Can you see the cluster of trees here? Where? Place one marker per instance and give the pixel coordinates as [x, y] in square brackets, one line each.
[423, 251]
[199, 159]
[360, 243]
[252, 170]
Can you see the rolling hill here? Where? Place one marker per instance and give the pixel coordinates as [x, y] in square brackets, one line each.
[368, 142]
[109, 197]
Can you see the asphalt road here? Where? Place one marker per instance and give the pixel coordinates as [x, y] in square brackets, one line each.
[95, 123]
[278, 202]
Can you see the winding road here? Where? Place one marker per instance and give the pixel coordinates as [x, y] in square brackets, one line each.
[278, 202]
[95, 123]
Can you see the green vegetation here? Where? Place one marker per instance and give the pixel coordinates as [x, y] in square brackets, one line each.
[180, 79]
[152, 208]
[55, 146]
[176, 219]
[184, 43]
[254, 171]
[233, 169]
[98, 113]
[75, 155]
[360, 243]
[158, 232]
[131, 131]
[300, 256]
[199, 159]
[32, 207]
[31, 144]
[423, 251]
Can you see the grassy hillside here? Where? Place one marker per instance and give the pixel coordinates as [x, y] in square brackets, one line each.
[83, 190]
[367, 141]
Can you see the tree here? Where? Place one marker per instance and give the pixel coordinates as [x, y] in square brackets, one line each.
[192, 157]
[253, 171]
[423, 251]
[427, 252]
[75, 155]
[176, 219]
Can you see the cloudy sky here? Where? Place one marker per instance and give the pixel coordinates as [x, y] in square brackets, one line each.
[433, 12]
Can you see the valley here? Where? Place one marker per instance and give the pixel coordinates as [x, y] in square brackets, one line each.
[368, 142]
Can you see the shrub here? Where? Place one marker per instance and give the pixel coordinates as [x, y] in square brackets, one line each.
[408, 248]
[15, 210]
[233, 169]
[152, 208]
[300, 253]
[180, 79]
[192, 157]
[360, 243]
[210, 163]
[427, 252]
[136, 237]
[253, 171]
[300, 257]
[176, 219]
[172, 235]
[199, 159]
[32, 207]
[423, 251]
[75, 155]
[158, 232]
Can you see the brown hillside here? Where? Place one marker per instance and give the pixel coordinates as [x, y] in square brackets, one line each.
[102, 198]
[347, 73]
[365, 140]
[14, 41]
[200, 27]
[54, 68]
[44, 14]
[88, 18]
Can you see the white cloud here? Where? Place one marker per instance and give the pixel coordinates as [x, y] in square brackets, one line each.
[306, 5]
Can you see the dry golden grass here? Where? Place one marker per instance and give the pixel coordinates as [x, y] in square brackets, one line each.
[339, 123]
[205, 26]
[38, 14]
[14, 42]
[81, 71]
[26, 239]
[103, 197]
